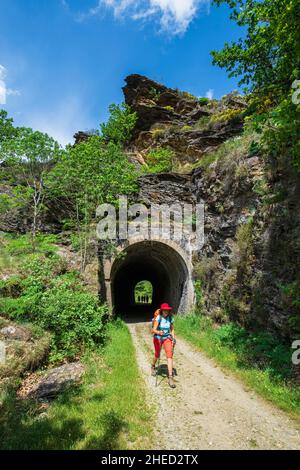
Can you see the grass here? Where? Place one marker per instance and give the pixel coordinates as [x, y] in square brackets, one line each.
[108, 412]
[14, 249]
[255, 358]
[231, 151]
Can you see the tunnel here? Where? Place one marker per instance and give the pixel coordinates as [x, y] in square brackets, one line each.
[160, 264]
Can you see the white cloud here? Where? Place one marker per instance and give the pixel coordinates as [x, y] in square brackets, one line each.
[4, 91]
[174, 16]
[210, 94]
[2, 72]
[10, 92]
[2, 85]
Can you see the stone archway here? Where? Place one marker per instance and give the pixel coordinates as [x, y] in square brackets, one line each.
[163, 263]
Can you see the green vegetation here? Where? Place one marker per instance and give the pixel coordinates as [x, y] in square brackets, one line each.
[292, 292]
[203, 123]
[45, 293]
[27, 156]
[109, 411]
[154, 94]
[160, 160]
[266, 61]
[89, 175]
[142, 289]
[41, 175]
[231, 152]
[158, 132]
[120, 124]
[227, 115]
[169, 108]
[14, 249]
[186, 128]
[203, 101]
[257, 358]
[187, 95]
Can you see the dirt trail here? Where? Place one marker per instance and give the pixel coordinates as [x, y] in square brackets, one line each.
[209, 409]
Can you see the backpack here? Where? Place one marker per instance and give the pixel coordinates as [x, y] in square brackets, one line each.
[156, 314]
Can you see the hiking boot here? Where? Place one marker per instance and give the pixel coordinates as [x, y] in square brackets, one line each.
[171, 382]
[153, 371]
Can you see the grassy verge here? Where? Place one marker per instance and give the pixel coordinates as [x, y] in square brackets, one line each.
[255, 358]
[109, 411]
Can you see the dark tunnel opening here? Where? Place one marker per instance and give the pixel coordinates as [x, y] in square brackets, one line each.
[155, 262]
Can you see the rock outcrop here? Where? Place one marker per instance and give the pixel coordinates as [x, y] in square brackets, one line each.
[166, 188]
[57, 380]
[252, 220]
[178, 120]
[23, 349]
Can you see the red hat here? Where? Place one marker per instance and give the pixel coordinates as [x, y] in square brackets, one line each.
[165, 307]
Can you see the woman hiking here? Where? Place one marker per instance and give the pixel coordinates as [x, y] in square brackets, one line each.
[164, 335]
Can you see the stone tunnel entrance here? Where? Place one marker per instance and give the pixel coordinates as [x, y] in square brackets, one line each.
[165, 265]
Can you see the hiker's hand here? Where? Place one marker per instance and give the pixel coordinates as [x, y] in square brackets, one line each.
[161, 333]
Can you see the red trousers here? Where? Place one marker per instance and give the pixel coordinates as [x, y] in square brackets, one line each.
[166, 343]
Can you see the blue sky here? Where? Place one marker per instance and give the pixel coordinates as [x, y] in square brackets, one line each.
[62, 62]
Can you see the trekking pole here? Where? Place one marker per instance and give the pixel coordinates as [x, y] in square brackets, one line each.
[173, 350]
[157, 370]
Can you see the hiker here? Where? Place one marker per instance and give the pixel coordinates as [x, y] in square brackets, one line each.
[164, 335]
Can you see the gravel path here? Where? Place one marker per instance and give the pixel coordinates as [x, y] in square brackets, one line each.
[208, 409]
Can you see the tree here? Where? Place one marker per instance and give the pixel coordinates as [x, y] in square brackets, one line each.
[267, 58]
[120, 124]
[267, 61]
[7, 129]
[27, 157]
[89, 174]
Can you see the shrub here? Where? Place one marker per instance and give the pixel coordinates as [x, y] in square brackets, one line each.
[57, 301]
[203, 101]
[74, 318]
[154, 94]
[160, 160]
[203, 123]
[188, 96]
[186, 128]
[120, 124]
[228, 115]
[169, 108]
[158, 132]
[258, 348]
[261, 187]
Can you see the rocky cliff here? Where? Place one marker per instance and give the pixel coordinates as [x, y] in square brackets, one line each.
[252, 220]
[178, 120]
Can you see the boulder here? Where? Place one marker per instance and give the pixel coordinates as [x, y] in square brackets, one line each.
[57, 380]
[13, 332]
